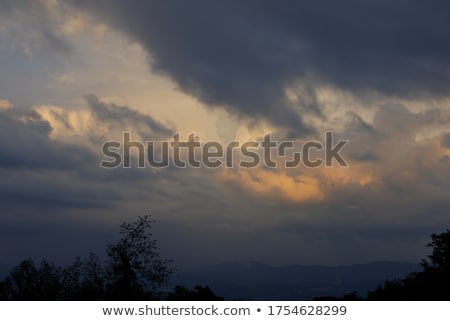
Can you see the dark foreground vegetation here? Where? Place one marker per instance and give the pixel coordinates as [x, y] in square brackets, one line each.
[133, 270]
[432, 283]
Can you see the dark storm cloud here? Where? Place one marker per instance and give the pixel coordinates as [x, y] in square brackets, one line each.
[38, 172]
[52, 191]
[123, 116]
[25, 143]
[243, 54]
[42, 173]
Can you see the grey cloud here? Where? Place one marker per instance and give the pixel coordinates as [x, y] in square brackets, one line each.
[40, 173]
[9, 7]
[43, 173]
[49, 191]
[391, 134]
[243, 54]
[398, 122]
[123, 117]
[212, 220]
[445, 140]
[363, 139]
[26, 144]
[38, 31]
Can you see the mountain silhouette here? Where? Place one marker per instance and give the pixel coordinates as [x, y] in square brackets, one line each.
[257, 281]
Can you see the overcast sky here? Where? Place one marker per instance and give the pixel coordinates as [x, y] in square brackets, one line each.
[75, 74]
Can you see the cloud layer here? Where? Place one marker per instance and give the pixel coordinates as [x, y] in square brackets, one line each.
[243, 55]
[375, 72]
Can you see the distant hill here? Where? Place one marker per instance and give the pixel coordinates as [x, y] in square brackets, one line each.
[256, 281]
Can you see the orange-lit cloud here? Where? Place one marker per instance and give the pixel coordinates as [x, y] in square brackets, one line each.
[5, 104]
[273, 184]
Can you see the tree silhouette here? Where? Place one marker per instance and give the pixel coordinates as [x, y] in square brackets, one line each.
[84, 279]
[433, 283]
[440, 257]
[28, 282]
[134, 265]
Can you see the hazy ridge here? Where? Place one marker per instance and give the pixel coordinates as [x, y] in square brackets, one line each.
[257, 281]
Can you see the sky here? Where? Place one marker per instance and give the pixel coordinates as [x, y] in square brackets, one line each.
[76, 74]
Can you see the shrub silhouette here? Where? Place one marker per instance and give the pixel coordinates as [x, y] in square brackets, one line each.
[199, 293]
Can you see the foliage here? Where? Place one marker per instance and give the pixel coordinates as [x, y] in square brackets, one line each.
[440, 257]
[135, 267]
[84, 279]
[28, 282]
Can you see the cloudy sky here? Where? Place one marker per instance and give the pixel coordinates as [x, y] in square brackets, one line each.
[75, 74]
